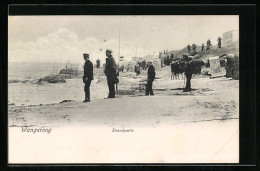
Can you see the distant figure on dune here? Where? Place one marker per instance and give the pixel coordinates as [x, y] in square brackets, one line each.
[150, 78]
[189, 48]
[208, 44]
[202, 47]
[88, 76]
[194, 48]
[219, 42]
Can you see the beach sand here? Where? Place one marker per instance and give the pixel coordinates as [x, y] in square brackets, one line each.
[201, 126]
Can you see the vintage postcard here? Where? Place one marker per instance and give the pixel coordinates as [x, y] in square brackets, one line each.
[123, 89]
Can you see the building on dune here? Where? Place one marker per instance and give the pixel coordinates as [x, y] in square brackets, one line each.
[230, 38]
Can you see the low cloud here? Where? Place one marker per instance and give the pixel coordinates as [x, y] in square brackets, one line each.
[65, 44]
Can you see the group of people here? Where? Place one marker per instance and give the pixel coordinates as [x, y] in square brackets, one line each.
[111, 74]
[177, 67]
[193, 48]
[202, 46]
[140, 66]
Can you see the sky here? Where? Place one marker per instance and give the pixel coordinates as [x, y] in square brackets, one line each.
[57, 39]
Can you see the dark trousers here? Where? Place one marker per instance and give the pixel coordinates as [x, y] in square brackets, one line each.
[86, 89]
[111, 87]
[149, 88]
[188, 84]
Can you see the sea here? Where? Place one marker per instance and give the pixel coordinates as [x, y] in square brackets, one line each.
[28, 70]
[23, 89]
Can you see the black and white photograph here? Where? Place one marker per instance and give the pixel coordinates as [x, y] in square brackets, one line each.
[123, 89]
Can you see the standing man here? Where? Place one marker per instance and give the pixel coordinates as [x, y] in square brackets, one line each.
[88, 76]
[202, 47]
[188, 74]
[219, 42]
[208, 44]
[151, 76]
[137, 69]
[172, 57]
[98, 63]
[110, 72]
[189, 48]
[194, 48]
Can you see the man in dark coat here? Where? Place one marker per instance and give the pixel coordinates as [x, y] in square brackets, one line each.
[219, 42]
[208, 44]
[137, 69]
[151, 76]
[110, 72]
[98, 63]
[194, 47]
[87, 77]
[188, 74]
[202, 47]
[189, 48]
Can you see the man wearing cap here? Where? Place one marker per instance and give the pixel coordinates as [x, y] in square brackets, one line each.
[88, 76]
[150, 78]
[110, 72]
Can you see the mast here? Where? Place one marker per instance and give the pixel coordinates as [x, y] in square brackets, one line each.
[135, 51]
[119, 40]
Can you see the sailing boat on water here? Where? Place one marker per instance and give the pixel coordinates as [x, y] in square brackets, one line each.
[70, 69]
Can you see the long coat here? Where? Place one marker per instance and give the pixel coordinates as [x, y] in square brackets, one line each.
[110, 68]
[88, 71]
[151, 73]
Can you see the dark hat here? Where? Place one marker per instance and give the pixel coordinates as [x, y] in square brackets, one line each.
[109, 50]
[86, 55]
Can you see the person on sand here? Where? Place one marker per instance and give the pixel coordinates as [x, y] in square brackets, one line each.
[88, 76]
[150, 78]
[188, 74]
[137, 69]
[110, 72]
